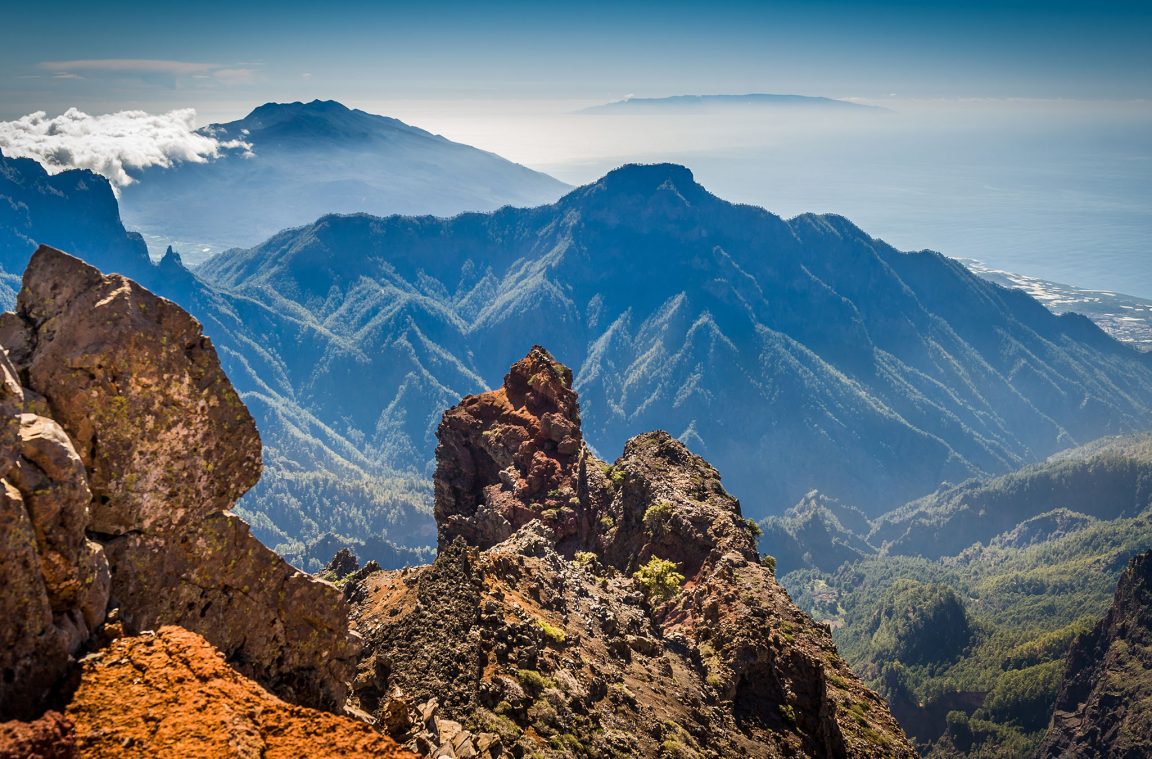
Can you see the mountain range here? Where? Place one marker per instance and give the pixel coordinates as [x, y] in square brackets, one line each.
[308, 159]
[796, 354]
[713, 103]
[817, 342]
[632, 616]
[73, 210]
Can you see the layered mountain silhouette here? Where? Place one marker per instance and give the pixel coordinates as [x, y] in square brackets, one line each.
[311, 470]
[796, 354]
[1106, 480]
[719, 103]
[308, 159]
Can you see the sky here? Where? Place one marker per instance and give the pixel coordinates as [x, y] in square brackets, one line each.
[1021, 132]
[222, 57]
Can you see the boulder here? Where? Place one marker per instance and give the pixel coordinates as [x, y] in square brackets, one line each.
[141, 405]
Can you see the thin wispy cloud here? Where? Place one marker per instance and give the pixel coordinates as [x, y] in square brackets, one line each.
[150, 70]
[112, 144]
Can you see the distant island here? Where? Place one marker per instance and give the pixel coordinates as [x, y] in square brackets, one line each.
[707, 102]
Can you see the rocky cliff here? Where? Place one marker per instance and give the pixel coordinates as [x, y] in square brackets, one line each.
[122, 447]
[1105, 702]
[580, 608]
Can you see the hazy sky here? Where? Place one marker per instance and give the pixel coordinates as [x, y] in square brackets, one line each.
[223, 58]
[1020, 133]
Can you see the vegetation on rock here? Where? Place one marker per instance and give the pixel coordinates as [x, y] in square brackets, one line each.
[659, 580]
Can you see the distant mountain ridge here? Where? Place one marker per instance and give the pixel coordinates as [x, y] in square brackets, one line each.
[772, 346]
[800, 353]
[74, 210]
[309, 159]
[699, 102]
[1105, 480]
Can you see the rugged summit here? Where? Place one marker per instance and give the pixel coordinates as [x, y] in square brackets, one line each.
[577, 607]
[508, 456]
[122, 453]
[1105, 702]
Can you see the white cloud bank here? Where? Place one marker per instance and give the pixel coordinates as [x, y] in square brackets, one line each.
[112, 144]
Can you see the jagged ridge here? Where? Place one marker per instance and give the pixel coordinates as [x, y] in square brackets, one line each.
[529, 634]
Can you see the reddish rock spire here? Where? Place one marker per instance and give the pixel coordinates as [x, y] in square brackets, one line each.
[512, 455]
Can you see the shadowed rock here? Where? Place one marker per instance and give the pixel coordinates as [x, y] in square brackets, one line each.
[56, 580]
[1105, 703]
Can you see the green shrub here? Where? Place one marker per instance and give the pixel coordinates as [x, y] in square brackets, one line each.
[657, 516]
[659, 580]
[533, 681]
[586, 559]
[554, 634]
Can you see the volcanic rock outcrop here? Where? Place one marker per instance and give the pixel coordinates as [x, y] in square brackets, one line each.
[120, 457]
[578, 608]
[1105, 702]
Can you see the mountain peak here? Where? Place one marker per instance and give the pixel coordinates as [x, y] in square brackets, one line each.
[671, 184]
[644, 176]
[297, 107]
[317, 120]
[556, 563]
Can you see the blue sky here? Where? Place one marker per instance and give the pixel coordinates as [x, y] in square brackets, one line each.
[223, 58]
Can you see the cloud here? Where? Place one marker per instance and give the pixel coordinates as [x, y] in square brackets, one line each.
[150, 70]
[130, 66]
[113, 144]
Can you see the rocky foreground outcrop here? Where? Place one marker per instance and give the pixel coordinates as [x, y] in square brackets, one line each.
[122, 447]
[1105, 703]
[578, 608]
[207, 708]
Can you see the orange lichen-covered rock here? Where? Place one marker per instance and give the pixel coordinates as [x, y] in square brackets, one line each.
[170, 694]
